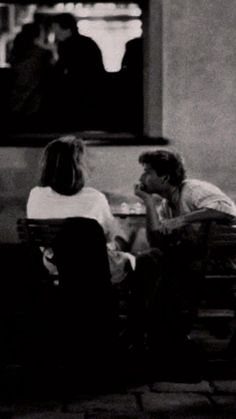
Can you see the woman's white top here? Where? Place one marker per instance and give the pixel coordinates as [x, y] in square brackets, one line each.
[44, 202]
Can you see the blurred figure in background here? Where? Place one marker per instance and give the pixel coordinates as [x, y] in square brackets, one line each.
[132, 69]
[78, 76]
[31, 65]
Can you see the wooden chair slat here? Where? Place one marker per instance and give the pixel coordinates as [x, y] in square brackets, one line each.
[40, 232]
[219, 280]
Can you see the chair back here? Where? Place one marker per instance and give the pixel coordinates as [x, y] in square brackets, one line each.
[85, 299]
[39, 232]
[78, 243]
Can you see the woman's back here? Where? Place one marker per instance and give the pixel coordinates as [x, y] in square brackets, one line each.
[44, 202]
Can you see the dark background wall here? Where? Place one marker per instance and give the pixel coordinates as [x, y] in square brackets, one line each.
[199, 85]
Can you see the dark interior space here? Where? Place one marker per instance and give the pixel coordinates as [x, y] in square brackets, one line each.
[81, 98]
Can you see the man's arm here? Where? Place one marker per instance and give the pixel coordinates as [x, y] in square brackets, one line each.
[200, 215]
[157, 229]
[153, 222]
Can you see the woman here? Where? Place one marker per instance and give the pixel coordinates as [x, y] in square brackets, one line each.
[62, 193]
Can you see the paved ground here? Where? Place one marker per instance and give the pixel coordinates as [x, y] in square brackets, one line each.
[208, 398]
[162, 400]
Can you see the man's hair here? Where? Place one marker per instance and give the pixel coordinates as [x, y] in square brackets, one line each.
[66, 21]
[62, 165]
[165, 163]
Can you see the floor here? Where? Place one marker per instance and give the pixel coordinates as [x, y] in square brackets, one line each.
[206, 399]
[212, 397]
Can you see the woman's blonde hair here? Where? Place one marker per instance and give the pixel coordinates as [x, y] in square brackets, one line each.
[62, 166]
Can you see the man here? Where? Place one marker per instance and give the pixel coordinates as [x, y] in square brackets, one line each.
[168, 277]
[78, 75]
[184, 200]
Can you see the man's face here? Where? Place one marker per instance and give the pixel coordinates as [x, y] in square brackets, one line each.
[151, 181]
[60, 33]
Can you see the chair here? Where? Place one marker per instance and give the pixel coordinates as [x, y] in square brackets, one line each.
[78, 310]
[215, 325]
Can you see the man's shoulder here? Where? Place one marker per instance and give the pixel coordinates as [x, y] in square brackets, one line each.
[192, 184]
[85, 41]
[194, 181]
[135, 43]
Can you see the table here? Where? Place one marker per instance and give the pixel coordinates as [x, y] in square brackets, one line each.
[134, 224]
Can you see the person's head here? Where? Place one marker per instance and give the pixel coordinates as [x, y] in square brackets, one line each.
[163, 169]
[64, 26]
[63, 165]
[31, 30]
[25, 40]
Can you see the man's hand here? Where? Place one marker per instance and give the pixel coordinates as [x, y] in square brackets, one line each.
[169, 225]
[139, 191]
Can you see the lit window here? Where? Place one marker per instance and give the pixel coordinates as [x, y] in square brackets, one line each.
[111, 26]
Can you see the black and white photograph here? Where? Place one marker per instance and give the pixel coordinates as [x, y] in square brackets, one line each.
[118, 209]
